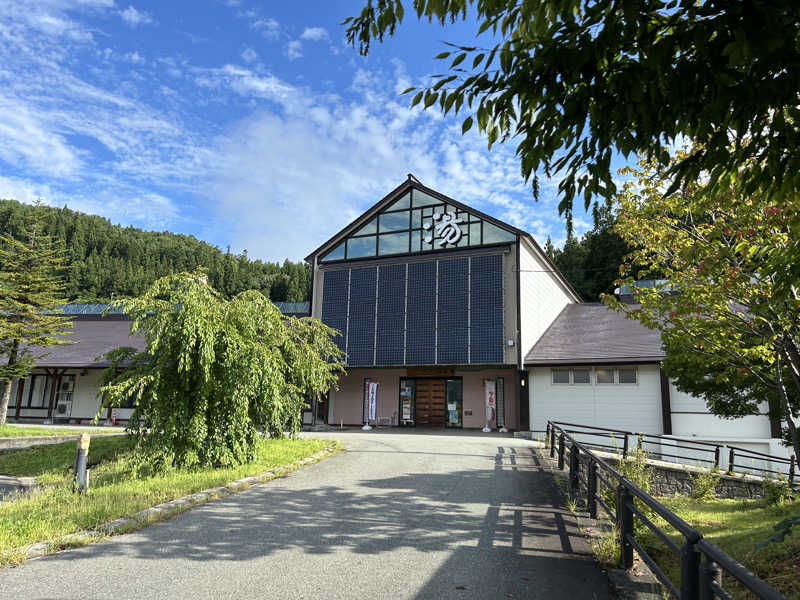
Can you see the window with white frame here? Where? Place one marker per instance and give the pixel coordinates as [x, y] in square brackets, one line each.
[626, 375]
[576, 376]
[618, 375]
[604, 375]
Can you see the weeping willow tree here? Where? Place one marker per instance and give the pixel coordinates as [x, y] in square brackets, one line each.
[214, 372]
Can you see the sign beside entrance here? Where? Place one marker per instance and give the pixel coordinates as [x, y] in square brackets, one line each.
[370, 408]
[490, 397]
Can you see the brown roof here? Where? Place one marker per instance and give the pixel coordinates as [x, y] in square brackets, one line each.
[593, 333]
[93, 337]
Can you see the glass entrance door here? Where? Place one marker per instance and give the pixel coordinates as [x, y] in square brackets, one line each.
[454, 402]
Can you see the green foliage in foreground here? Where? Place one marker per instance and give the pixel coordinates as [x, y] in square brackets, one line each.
[569, 81]
[736, 526]
[55, 511]
[7, 431]
[215, 372]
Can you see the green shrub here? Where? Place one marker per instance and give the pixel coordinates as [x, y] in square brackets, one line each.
[775, 491]
[636, 470]
[606, 547]
[704, 484]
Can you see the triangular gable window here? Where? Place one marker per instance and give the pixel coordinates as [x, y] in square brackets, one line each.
[418, 222]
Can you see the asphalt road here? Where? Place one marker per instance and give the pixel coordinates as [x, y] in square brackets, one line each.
[396, 516]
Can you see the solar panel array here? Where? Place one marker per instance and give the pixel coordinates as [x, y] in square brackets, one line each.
[446, 312]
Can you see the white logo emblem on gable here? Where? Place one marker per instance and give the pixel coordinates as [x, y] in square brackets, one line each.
[447, 227]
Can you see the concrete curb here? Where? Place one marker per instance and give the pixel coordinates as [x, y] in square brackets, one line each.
[20, 443]
[166, 510]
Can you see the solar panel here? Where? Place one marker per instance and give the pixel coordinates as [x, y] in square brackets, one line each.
[391, 315]
[361, 331]
[334, 303]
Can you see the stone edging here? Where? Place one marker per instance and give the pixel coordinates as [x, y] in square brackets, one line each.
[169, 509]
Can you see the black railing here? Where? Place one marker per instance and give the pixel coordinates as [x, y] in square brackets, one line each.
[702, 563]
[688, 452]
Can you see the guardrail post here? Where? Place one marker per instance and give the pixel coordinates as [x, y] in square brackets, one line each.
[625, 525]
[731, 456]
[792, 461]
[716, 457]
[574, 472]
[592, 488]
[625, 447]
[639, 441]
[552, 442]
[709, 573]
[690, 570]
[547, 434]
[561, 452]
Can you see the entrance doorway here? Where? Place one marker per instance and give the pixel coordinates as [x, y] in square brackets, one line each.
[431, 402]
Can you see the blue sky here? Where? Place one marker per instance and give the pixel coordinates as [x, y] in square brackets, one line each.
[246, 124]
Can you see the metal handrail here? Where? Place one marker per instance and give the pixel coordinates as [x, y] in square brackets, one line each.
[699, 578]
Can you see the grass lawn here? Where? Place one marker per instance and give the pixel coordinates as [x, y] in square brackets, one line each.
[736, 526]
[17, 431]
[55, 511]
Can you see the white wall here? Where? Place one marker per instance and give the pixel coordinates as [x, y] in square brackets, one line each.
[691, 417]
[633, 407]
[542, 295]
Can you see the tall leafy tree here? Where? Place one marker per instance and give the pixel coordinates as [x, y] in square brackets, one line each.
[571, 80]
[31, 287]
[215, 372]
[729, 306]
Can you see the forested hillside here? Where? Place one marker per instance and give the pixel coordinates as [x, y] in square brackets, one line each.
[106, 259]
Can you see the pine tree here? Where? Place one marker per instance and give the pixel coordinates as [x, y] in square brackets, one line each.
[31, 286]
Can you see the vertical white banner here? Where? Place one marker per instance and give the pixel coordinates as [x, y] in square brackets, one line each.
[373, 401]
[490, 400]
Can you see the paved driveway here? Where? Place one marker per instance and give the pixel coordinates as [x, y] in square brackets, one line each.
[396, 516]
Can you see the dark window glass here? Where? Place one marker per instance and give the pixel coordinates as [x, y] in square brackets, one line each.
[360, 247]
[422, 199]
[604, 375]
[404, 202]
[627, 375]
[371, 227]
[393, 243]
[335, 254]
[581, 376]
[394, 221]
[560, 375]
[494, 235]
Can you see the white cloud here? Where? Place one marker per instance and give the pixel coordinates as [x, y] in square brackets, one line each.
[269, 28]
[134, 17]
[294, 49]
[249, 55]
[314, 34]
[134, 57]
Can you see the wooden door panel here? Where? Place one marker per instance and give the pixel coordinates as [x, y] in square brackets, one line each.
[430, 402]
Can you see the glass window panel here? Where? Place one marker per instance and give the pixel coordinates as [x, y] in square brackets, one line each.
[416, 238]
[474, 234]
[604, 375]
[335, 254]
[361, 247]
[581, 376]
[426, 245]
[394, 221]
[427, 212]
[393, 243]
[404, 202]
[371, 227]
[494, 235]
[419, 198]
[39, 393]
[464, 241]
[407, 396]
[560, 375]
[416, 219]
[627, 375]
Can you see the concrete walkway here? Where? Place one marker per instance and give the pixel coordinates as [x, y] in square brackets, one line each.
[396, 516]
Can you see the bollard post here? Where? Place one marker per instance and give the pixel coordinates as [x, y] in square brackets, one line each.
[561, 452]
[709, 573]
[731, 457]
[625, 525]
[574, 472]
[690, 569]
[592, 489]
[80, 481]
